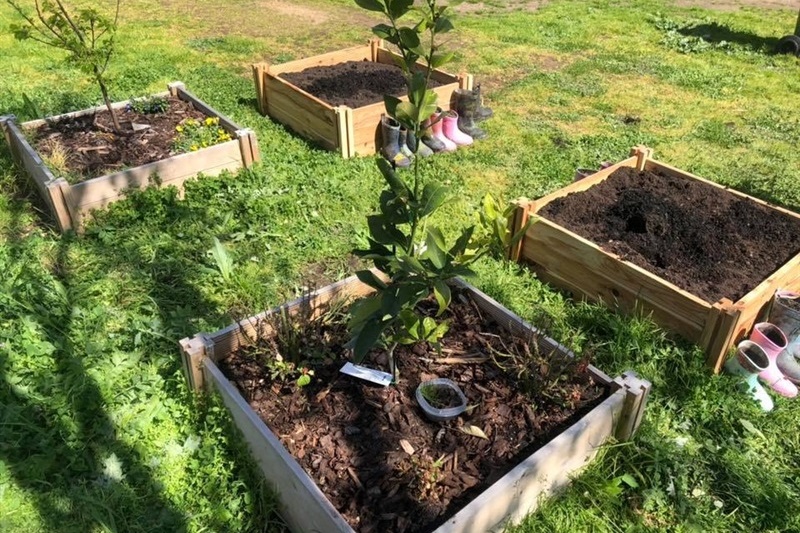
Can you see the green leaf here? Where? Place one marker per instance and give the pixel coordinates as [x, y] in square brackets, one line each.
[434, 252]
[409, 38]
[371, 5]
[303, 380]
[366, 338]
[362, 310]
[443, 25]
[433, 196]
[390, 103]
[384, 31]
[369, 277]
[406, 114]
[395, 183]
[398, 8]
[438, 60]
[418, 89]
[442, 293]
[462, 242]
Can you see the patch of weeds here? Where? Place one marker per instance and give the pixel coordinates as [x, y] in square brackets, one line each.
[698, 36]
[228, 44]
[149, 105]
[194, 135]
[725, 134]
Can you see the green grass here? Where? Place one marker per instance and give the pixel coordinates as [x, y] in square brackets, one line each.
[97, 429]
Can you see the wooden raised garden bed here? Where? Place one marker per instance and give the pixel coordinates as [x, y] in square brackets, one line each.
[571, 262]
[70, 203]
[342, 129]
[617, 413]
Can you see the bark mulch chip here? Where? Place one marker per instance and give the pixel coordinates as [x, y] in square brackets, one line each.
[92, 149]
[707, 241]
[371, 450]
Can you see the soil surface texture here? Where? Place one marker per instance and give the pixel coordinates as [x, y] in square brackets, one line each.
[705, 240]
[352, 83]
[371, 449]
[90, 148]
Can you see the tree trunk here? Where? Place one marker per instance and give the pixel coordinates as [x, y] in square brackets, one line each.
[103, 90]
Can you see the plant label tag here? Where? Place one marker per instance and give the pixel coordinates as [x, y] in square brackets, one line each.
[375, 376]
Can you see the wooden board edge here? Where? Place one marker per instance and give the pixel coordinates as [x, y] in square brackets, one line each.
[306, 508]
[353, 53]
[540, 475]
[259, 72]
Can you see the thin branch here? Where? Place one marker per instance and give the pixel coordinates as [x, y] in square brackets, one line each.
[69, 20]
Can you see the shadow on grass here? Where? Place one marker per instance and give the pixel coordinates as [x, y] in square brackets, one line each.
[60, 441]
[716, 33]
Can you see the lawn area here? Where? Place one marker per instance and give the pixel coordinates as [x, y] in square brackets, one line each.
[98, 430]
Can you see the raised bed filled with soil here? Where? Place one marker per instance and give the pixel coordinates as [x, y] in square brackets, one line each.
[336, 99]
[345, 455]
[702, 259]
[103, 165]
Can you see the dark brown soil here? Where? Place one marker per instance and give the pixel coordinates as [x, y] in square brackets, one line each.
[371, 450]
[708, 242]
[352, 83]
[93, 149]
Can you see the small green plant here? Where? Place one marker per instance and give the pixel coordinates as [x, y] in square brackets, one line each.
[195, 134]
[223, 260]
[149, 105]
[84, 33]
[494, 220]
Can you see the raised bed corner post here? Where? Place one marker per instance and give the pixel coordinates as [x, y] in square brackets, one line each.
[344, 131]
[175, 87]
[4, 120]
[642, 153]
[636, 392]
[466, 81]
[517, 221]
[248, 144]
[259, 73]
[193, 350]
[720, 333]
[374, 45]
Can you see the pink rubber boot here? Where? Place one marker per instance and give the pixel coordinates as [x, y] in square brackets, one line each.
[437, 127]
[772, 340]
[451, 130]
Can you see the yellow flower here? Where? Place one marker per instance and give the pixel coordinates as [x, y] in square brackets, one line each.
[195, 148]
[179, 129]
[209, 121]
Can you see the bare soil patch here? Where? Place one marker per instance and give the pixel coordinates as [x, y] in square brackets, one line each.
[733, 5]
[90, 148]
[705, 240]
[371, 450]
[351, 83]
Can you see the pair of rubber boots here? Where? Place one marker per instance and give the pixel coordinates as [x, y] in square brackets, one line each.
[399, 145]
[772, 354]
[467, 104]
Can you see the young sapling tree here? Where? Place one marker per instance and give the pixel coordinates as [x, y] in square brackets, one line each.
[86, 34]
[404, 244]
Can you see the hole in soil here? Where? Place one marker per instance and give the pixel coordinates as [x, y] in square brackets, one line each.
[637, 224]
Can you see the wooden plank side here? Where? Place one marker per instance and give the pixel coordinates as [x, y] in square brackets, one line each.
[59, 194]
[308, 116]
[98, 192]
[33, 124]
[582, 185]
[672, 171]
[242, 333]
[570, 261]
[302, 504]
[354, 53]
[545, 472]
